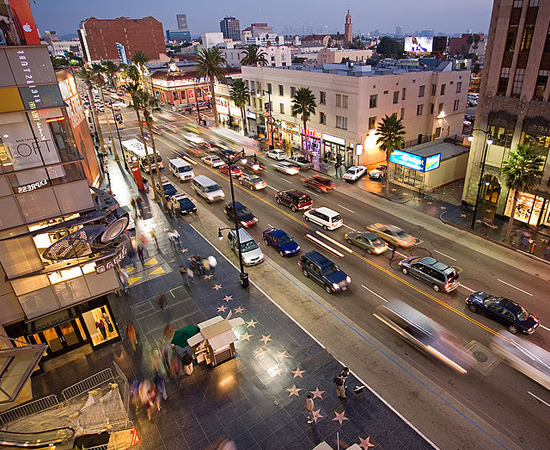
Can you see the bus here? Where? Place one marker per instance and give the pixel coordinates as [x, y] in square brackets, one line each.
[134, 152]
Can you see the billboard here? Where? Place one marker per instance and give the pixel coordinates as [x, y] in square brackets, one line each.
[416, 162]
[418, 44]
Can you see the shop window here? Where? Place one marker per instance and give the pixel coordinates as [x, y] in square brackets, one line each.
[528, 208]
[372, 123]
[492, 190]
[419, 110]
[373, 101]
[421, 90]
[518, 83]
[540, 87]
[501, 136]
[100, 325]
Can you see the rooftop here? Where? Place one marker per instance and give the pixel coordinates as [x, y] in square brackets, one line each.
[448, 150]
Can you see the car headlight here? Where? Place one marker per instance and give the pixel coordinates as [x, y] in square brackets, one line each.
[243, 223]
[348, 279]
[209, 197]
[335, 286]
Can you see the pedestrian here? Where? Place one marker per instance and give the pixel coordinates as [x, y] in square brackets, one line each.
[547, 251]
[143, 240]
[132, 255]
[175, 368]
[132, 335]
[139, 204]
[205, 266]
[161, 300]
[340, 381]
[213, 263]
[154, 358]
[134, 206]
[154, 236]
[187, 275]
[169, 331]
[309, 406]
[160, 384]
[187, 361]
[134, 392]
[140, 254]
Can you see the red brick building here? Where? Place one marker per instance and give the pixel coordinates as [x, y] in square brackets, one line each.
[100, 36]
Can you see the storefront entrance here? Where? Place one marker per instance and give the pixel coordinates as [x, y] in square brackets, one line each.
[61, 338]
[531, 209]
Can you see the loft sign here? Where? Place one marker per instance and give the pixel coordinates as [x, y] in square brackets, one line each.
[32, 186]
[102, 268]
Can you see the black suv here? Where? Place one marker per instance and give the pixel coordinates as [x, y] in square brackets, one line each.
[324, 271]
[244, 216]
[294, 199]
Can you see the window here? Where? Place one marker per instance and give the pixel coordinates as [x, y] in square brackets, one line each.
[547, 42]
[518, 3]
[419, 110]
[458, 87]
[282, 108]
[269, 88]
[456, 105]
[323, 118]
[533, 3]
[403, 93]
[421, 90]
[440, 108]
[373, 100]
[438, 132]
[342, 122]
[252, 87]
[511, 38]
[442, 91]
[503, 81]
[396, 97]
[402, 113]
[527, 38]
[518, 83]
[432, 108]
[292, 91]
[281, 90]
[338, 100]
[372, 123]
[344, 101]
[434, 89]
[540, 87]
[323, 98]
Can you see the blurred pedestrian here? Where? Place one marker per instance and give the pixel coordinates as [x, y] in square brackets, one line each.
[309, 406]
[160, 384]
[134, 206]
[213, 263]
[166, 348]
[132, 255]
[132, 335]
[187, 361]
[169, 330]
[154, 236]
[175, 368]
[154, 358]
[187, 275]
[547, 251]
[134, 392]
[140, 254]
[161, 300]
[205, 266]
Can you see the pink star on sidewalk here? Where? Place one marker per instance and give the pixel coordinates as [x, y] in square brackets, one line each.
[221, 308]
[317, 393]
[365, 443]
[246, 336]
[317, 415]
[265, 339]
[340, 417]
[217, 287]
[228, 297]
[281, 355]
[297, 372]
[251, 323]
[239, 310]
[294, 391]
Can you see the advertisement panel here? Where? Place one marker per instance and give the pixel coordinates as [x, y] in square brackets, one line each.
[24, 22]
[30, 65]
[416, 162]
[418, 44]
[39, 97]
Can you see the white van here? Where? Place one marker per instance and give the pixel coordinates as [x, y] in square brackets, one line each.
[181, 169]
[207, 188]
[325, 217]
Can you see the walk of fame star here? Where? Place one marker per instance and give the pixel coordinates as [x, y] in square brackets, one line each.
[464, 215]
[297, 372]
[365, 443]
[221, 308]
[246, 336]
[340, 417]
[183, 250]
[317, 393]
[281, 355]
[239, 310]
[228, 297]
[217, 287]
[251, 323]
[265, 339]
[207, 277]
[260, 353]
[294, 391]
[317, 415]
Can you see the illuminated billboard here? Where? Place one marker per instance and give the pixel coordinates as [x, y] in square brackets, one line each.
[416, 162]
[418, 44]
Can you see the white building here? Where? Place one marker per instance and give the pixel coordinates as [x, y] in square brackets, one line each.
[60, 47]
[265, 40]
[277, 56]
[212, 39]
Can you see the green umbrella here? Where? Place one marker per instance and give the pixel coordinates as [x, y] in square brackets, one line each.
[181, 335]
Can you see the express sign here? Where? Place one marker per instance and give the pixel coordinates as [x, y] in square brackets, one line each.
[416, 162]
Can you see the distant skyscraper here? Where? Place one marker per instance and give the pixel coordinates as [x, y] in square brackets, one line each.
[398, 31]
[231, 28]
[182, 21]
[348, 36]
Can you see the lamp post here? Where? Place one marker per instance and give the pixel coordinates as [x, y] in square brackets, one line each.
[118, 135]
[488, 141]
[270, 121]
[195, 81]
[231, 159]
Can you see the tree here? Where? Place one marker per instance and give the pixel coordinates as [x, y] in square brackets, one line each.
[254, 56]
[240, 96]
[522, 172]
[110, 69]
[390, 48]
[210, 64]
[88, 77]
[303, 103]
[140, 60]
[390, 137]
[356, 43]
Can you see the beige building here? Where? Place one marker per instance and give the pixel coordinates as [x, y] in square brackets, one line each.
[513, 109]
[276, 55]
[352, 101]
[334, 55]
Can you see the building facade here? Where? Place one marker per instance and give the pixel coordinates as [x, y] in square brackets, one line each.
[276, 55]
[334, 55]
[178, 35]
[231, 28]
[348, 35]
[99, 38]
[513, 109]
[182, 21]
[352, 101]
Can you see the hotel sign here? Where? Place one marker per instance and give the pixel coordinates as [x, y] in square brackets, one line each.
[416, 162]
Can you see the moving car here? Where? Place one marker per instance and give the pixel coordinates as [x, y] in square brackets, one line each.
[300, 161]
[324, 272]
[244, 216]
[369, 242]
[207, 188]
[319, 183]
[276, 154]
[253, 182]
[325, 217]
[438, 275]
[213, 161]
[168, 188]
[280, 241]
[250, 250]
[294, 199]
[354, 173]
[252, 165]
[426, 335]
[379, 173]
[236, 171]
[180, 169]
[181, 204]
[286, 167]
[156, 129]
[509, 313]
[393, 235]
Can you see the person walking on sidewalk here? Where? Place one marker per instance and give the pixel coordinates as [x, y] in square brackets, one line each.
[309, 406]
[154, 237]
[187, 275]
[140, 254]
[213, 263]
[340, 381]
[132, 335]
[161, 300]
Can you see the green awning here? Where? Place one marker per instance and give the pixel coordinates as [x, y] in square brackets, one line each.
[181, 335]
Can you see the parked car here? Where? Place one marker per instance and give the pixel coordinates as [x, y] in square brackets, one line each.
[325, 217]
[276, 154]
[280, 241]
[294, 199]
[236, 171]
[250, 250]
[244, 216]
[319, 183]
[180, 204]
[169, 189]
[354, 173]
[393, 235]
[379, 173]
[252, 182]
[300, 161]
[323, 271]
[509, 313]
[286, 167]
[369, 242]
[213, 161]
[438, 275]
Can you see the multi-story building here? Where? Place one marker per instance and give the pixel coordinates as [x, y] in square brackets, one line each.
[352, 100]
[276, 55]
[231, 28]
[257, 29]
[99, 38]
[61, 47]
[178, 35]
[211, 39]
[334, 55]
[513, 109]
[182, 21]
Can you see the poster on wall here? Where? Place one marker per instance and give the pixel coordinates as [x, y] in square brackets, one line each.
[418, 44]
[24, 22]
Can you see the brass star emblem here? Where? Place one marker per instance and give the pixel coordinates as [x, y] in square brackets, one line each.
[365, 443]
[251, 323]
[265, 339]
[246, 336]
[221, 308]
[228, 297]
[217, 287]
[239, 310]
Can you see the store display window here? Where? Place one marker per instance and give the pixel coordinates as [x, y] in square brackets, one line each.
[100, 325]
[529, 208]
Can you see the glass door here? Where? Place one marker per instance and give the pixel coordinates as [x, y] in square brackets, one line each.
[63, 337]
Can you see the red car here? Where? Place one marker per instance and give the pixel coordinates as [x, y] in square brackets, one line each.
[235, 170]
[319, 183]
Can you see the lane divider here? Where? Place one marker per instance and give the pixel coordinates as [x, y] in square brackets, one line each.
[325, 246]
[343, 247]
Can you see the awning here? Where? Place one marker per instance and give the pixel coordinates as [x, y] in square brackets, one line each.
[180, 336]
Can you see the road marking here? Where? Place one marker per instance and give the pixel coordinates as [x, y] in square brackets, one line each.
[347, 209]
[312, 193]
[401, 254]
[466, 287]
[374, 293]
[325, 246]
[270, 226]
[539, 399]
[271, 187]
[348, 227]
[515, 287]
[546, 328]
[285, 180]
[446, 256]
[343, 247]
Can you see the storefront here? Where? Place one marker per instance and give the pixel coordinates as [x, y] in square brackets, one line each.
[334, 146]
[290, 134]
[530, 209]
[313, 141]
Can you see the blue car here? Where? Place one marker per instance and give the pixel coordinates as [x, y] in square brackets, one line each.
[169, 189]
[281, 242]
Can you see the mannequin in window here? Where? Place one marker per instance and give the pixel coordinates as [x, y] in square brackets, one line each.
[107, 320]
[100, 325]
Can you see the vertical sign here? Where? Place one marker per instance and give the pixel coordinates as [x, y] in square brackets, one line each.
[24, 21]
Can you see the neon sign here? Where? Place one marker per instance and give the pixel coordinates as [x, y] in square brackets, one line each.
[416, 162]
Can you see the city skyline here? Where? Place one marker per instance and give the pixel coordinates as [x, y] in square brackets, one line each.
[453, 18]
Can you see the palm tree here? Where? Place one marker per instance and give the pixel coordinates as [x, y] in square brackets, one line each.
[88, 77]
[390, 137]
[303, 102]
[254, 56]
[132, 72]
[140, 60]
[240, 96]
[110, 69]
[522, 172]
[210, 65]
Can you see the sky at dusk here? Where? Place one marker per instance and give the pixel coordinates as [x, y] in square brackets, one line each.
[447, 16]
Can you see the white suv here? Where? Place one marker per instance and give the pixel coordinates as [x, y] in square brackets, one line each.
[277, 154]
[325, 217]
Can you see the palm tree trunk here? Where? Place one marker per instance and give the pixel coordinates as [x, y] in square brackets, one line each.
[306, 151]
[147, 155]
[214, 107]
[161, 188]
[511, 220]
[243, 114]
[387, 181]
[109, 125]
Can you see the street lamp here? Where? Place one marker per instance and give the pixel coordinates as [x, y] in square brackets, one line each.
[195, 82]
[231, 159]
[488, 141]
[270, 121]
